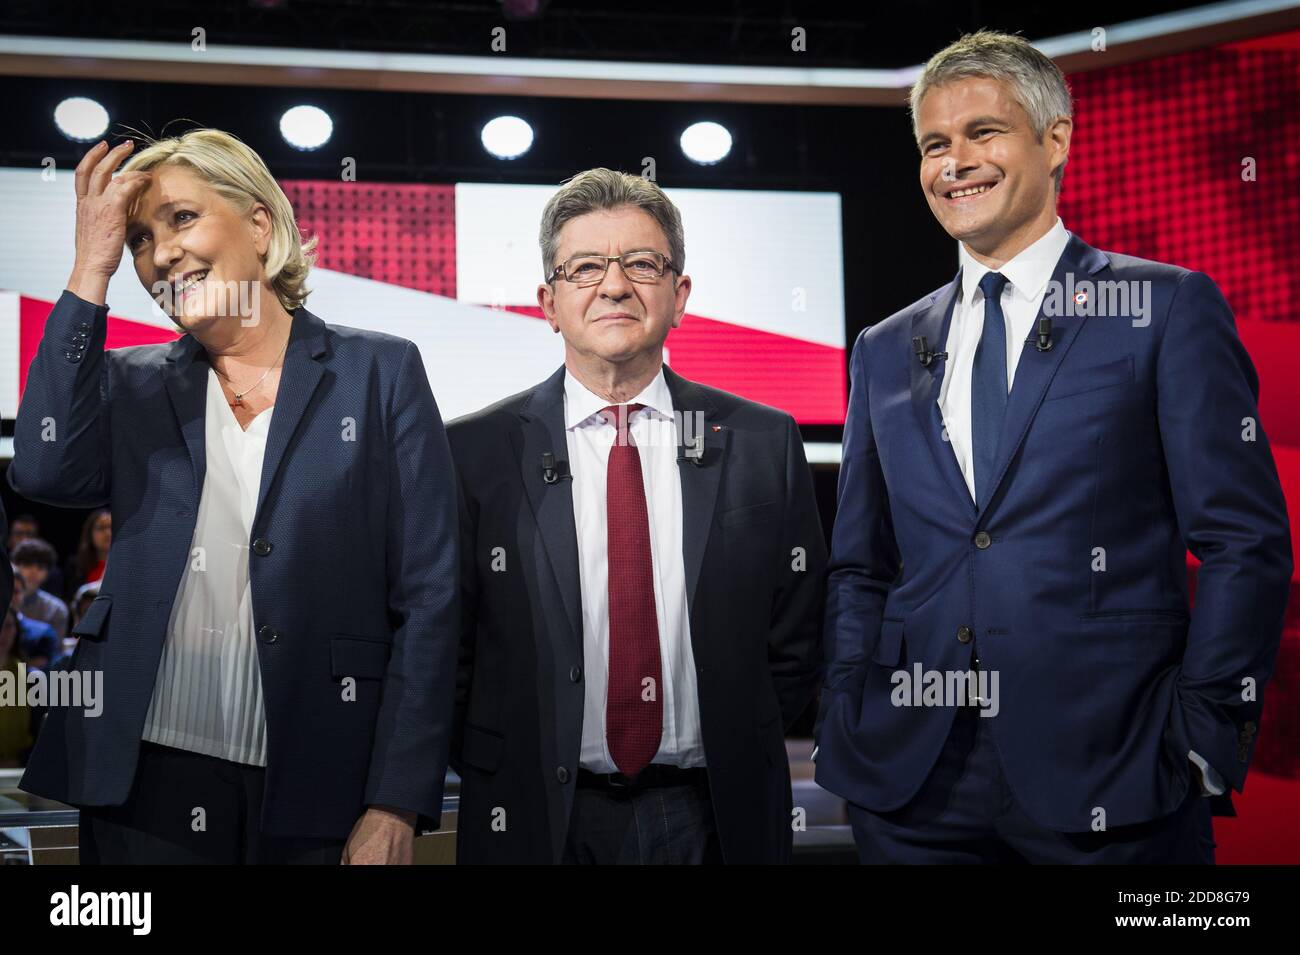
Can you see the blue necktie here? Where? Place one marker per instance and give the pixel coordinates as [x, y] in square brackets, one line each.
[988, 389]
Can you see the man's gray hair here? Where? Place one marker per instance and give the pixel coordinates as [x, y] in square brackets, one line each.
[1035, 81]
[599, 189]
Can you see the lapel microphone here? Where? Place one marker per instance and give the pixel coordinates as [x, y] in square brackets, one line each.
[1044, 342]
[692, 451]
[924, 353]
[553, 470]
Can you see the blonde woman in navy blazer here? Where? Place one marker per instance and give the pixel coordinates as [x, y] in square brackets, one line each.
[277, 624]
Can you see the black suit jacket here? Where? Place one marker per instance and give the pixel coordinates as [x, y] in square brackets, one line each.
[755, 609]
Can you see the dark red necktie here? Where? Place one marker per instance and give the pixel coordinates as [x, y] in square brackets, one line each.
[634, 709]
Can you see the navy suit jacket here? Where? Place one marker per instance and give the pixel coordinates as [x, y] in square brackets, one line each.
[353, 560]
[1130, 442]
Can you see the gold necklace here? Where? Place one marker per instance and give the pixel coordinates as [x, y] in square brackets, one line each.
[239, 395]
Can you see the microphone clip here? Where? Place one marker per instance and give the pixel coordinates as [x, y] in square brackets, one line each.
[1044, 340]
[693, 450]
[552, 470]
[924, 353]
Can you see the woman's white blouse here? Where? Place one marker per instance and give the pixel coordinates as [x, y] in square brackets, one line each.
[208, 694]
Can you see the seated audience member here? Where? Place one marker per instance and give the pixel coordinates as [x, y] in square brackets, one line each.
[22, 527]
[26, 527]
[81, 602]
[87, 564]
[34, 559]
[37, 642]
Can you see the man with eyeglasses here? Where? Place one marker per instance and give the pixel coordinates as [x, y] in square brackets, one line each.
[642, 574]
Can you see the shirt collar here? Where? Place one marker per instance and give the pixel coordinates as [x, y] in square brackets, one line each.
[1028, 272]
[581, 404]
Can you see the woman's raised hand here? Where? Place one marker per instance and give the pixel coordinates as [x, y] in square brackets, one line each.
[102, 204]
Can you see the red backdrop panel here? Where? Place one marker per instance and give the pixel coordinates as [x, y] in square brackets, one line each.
[1194, 159]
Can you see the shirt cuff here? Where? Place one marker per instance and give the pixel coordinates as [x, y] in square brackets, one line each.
[1212, 784]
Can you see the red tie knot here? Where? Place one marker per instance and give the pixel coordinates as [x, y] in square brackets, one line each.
[619, 416]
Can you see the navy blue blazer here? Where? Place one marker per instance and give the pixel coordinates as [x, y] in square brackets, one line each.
[1130, 442]
[353, 560]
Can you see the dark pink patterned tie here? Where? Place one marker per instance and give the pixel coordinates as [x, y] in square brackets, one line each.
[634, 709]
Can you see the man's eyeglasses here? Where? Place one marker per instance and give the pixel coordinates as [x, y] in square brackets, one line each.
[585, 270]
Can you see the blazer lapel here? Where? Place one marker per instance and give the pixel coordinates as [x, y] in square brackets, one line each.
[542, 432]
[1035, 370]
[933, 323]
[699, 481]
[185, 376]
[298, 380]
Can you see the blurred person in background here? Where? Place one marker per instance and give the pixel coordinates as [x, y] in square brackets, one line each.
[22, 527]
[34, 558]
[39, 644]
[87, 564]
[81, 602]
[25, 527]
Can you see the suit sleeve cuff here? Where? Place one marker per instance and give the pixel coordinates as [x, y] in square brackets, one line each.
[71, 299]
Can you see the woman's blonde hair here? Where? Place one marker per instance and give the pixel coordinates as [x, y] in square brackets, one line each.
[240, 176]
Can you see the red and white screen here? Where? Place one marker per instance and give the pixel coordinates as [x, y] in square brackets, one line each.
[455, 269]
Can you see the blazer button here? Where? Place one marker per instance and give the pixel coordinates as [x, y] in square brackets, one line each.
[267, 634]
[1248, 728]
[562, 774]
[261, 547]
[965, 634]
[1243, 754]
[982, 540]
[575, 674]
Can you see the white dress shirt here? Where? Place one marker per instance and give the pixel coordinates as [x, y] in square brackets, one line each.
[208, 694]
[589, 437]
[1027, 276]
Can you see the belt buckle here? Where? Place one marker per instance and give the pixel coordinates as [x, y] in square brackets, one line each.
[618, 781]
